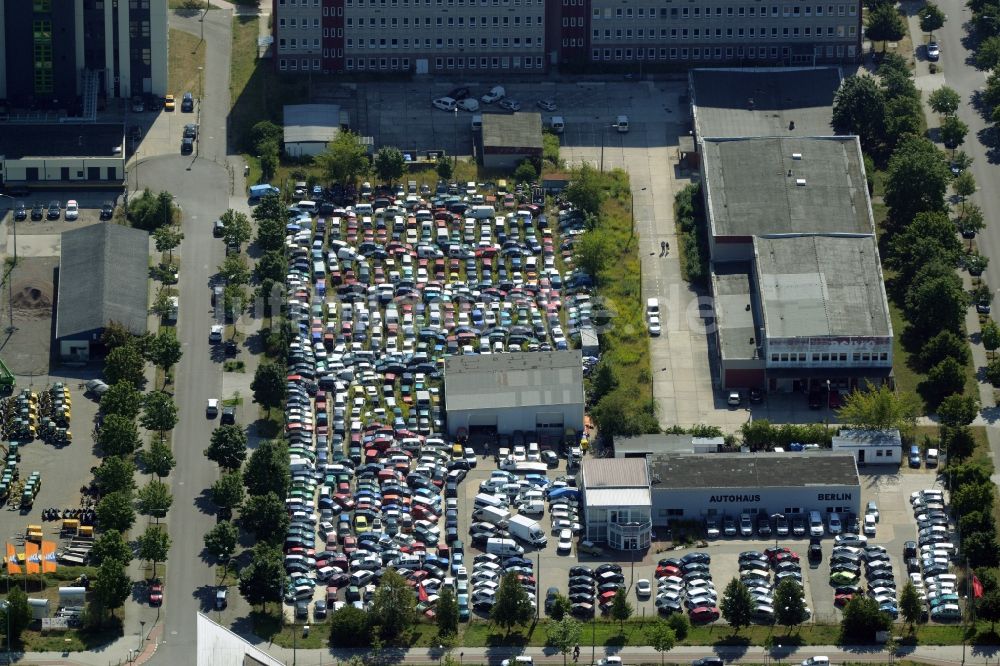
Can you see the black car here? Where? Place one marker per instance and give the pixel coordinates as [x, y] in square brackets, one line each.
[756, 396]
[228, 415]
[191, 131]
[459, 93]
[604, 568]
[54, 211]
[581, 571]
[815, 552]
[187, 145]
[37, 211]
[107, 210]
[700, 558]
[20, 211]
[187, 103]
[708, 661]
[910, 549]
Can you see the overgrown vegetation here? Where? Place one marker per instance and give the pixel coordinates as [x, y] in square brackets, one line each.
[692, 234]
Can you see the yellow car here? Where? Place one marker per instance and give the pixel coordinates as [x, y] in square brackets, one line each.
[168, 103]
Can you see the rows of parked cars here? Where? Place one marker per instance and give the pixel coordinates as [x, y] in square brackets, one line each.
[928, 559]
[461, 98]
[55, 211]
[382, 284]
[686, 583]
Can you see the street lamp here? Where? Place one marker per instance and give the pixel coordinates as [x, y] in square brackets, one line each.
[142, 633]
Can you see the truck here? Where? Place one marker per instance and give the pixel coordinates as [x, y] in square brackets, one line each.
[491, 514]
[527, 530]
[6, 379]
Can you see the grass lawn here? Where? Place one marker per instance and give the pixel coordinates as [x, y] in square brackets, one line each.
[192, 5]
[187, 54]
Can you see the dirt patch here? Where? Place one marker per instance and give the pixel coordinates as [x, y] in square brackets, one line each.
[30, 298]
[33, 299]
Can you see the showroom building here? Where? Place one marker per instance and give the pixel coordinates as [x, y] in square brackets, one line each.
[697, 486]
[617, 502]
[501, 393]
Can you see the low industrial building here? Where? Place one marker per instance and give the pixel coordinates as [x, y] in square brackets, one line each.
[644, 446]
[508, 140]
[103, 272]
[310, 127]
[501, 393]
[871, 447]
[616, 501]
[694, 487]
[61, 156]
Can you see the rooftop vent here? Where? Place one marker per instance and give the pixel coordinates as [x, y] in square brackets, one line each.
[796, 156]
[801, 182]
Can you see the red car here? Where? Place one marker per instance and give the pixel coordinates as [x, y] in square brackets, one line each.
[773, 552]
[350, 544]
[155, 593]
[667, 570]
[704, 614]
[788, 556]
[841, 600]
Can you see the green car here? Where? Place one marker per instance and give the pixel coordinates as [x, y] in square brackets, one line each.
[838, 578]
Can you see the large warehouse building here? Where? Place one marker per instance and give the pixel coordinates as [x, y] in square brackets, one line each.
[693, 486]
[501, 393]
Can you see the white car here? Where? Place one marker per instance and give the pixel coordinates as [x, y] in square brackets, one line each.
[816, 661]
[72, 209]
[610, 661]
[654, 325]
[511, 105]
[495, 94]
[445, 103]
[212, 408]
[565, 541]
[215, 336]
[869, 528]
[643, 588]
[468, 104]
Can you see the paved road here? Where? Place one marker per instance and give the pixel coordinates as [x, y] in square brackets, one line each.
[201, 186]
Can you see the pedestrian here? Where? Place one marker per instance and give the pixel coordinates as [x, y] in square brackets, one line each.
[663, 248]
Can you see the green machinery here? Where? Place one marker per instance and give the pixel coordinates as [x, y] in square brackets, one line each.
[6, 379]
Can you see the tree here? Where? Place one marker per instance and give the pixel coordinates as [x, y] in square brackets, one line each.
[980, 548]
[154, 544]
[931, 18]
[988, 53]
[349, 627]
[158, 459]
[115, 512]
[917, 179]
[944, 379]
[564, 635]
[265, 516]
[270, 218]
[393, 607]
[164, 350]
[390, 165]
[155, 499]
[263, 132]
[884, 24]
[162, 305]
[221, 540]
[271, 265]
[117, 436]
[234, 270]
[116, 334]
[972, 220]
[228, 491]
[990, 336]
[971, 496]
[444, 168]
[114, 474]
[661, 637]
[988, 607]
[124, 364]
[903, 116]
[930, 236]
[621, 609]
[958, 410]
[592, 252]
[167, 238]
[345, 158]
[112, 585]
[525, 172]
[123, 399]
[268, 385]
[228, 447]
[512, 605]
[263, 579]
[159, 413]
[559, 607]
[736, 606]
[976, 521]
[965, 186]
[236, 228]
[267, 469]
[945, 344]
[110, 545]
[880, 408]
[586, 190]
[789, 603]
[447, 612]
[859, 108]
[953, 131]
[234, 297]
[681, 625]
[944, 100]
[861, 620]
[910, 606]
[16, 615]
[936, 302]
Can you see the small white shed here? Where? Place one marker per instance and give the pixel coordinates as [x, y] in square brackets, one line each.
[871, 447]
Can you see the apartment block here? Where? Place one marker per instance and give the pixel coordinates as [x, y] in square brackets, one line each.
[58, 52]
[423, 36]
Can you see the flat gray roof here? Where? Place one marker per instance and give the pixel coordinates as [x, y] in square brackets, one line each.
[614, 473]
[879, 438]
[753, 470]
[515, 130]
[66, 140]
[774, 185]
[822, 285]
[652, 444]
[517, 379]
[721, 101]
[103, 273]
[733, 310]
[311, 122]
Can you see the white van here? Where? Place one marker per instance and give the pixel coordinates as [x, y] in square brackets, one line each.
[503, 548]
[815, 524]
[557, 124]
[622, 124]
[482, 212]
[484, 500]
[310, 207]
[477, 122]
[361, 578]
